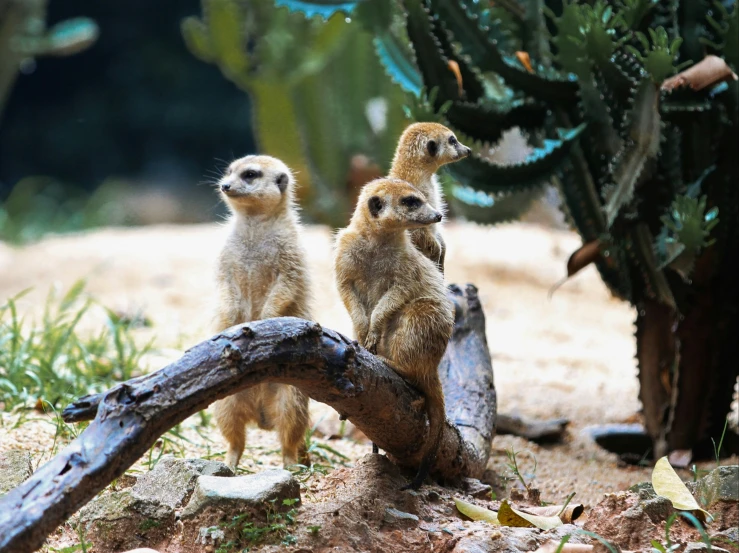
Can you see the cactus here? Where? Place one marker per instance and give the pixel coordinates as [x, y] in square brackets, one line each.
[285, 64]
[24, 36]
[644, 156]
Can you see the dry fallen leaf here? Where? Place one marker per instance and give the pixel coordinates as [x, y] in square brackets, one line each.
[551, 547]
[525, 60]
[580, 258]
[476, 513]
[710, 71]
[508, 516]
[667, 483]
[571, 512]
[454, 66]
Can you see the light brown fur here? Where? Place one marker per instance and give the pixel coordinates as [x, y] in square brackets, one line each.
[395, 295]
[262, 274]
[422, 150]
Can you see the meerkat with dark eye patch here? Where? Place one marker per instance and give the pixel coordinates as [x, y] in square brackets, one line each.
[422, 150]
[395, 295]
[261, 273]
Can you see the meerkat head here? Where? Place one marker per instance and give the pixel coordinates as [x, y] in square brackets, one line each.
[257, 184]
[430, 146]
[394, 204]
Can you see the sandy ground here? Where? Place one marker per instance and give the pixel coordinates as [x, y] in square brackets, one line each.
[571, 356]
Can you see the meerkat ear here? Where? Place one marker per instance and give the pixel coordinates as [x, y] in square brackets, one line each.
[281, 181]
[375, 205]
[432, 147]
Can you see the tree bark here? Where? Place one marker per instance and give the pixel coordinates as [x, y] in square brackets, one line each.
[327, 366]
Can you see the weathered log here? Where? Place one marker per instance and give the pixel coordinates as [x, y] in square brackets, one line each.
[324, 364]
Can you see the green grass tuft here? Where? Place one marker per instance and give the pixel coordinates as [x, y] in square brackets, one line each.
[48, 363]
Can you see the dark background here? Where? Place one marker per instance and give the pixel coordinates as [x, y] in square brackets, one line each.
[137, 105]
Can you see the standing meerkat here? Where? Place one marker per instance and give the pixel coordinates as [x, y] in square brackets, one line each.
[261, 273]
[422, 150]
[395, 295]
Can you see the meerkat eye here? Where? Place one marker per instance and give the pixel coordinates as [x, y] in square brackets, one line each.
[411, 202]
[453, 140]
[432, 147]
[375, 206]
[250, 174]
[281, 181]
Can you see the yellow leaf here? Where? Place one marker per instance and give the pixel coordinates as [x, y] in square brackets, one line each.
[508, 516]
[667, 483]
[476, 513]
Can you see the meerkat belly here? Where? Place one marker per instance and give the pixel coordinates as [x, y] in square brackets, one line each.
[257, 274]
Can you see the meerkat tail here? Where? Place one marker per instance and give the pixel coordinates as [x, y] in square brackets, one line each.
[436, 413]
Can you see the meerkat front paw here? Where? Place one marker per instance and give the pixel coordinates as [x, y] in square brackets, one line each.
[371, 342]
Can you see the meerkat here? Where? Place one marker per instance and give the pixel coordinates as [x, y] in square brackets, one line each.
[261, 273]
[422, 150]
[395, 295]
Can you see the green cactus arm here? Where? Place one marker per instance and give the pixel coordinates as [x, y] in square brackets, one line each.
[430, 59]
[640, 247]
[473, 89]
[320, 8]
[484, 123]
[727, 29]
[535, 171]
[644, 143]
[195, 34]
[497, 21]
[493, 209]
[398, 66]
[685, 101]
[273, 114]
[66, 38]
[544, 83]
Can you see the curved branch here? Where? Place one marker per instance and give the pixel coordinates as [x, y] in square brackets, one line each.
[327, 366]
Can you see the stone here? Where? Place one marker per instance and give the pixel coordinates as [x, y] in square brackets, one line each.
[718, 493]
[656, 507]
[242, 493]
[15, 468]
[475, 488]
[696, 547]
[145, 513]
[172, 480]
[728, 538]
[400, 518]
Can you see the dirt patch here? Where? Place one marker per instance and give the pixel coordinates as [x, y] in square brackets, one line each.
[571, 356]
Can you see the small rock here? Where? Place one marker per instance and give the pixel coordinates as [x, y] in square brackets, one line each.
[400, 518]
[171, 481]
[15, 468]
[475, 488]
[145, 513]
[695, 547]
[433, 495]
[658, 508]
[718, 493]
[242, 492]
[728, 538]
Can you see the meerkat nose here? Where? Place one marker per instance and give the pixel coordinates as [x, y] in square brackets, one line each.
[437, 217]
[468, 150]
[225, 187]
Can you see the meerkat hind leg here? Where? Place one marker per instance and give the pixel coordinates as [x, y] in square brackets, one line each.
[291, 417]
[232, 415]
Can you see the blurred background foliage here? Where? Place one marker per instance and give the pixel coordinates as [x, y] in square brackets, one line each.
[114, 114]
